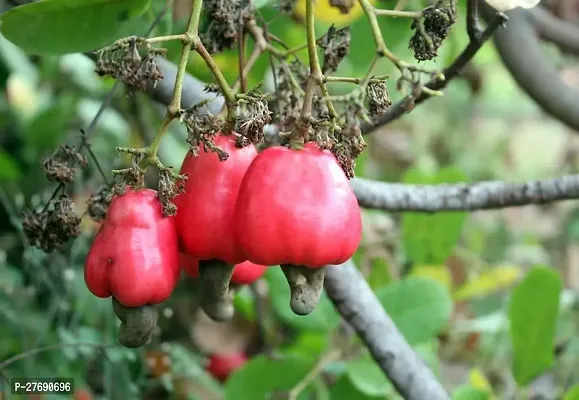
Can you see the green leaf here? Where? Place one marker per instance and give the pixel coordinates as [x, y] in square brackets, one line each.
[343, 389]
[68, 26]
[430, 239]
[324, 318]
[468, 392]
[9, 168]
[367, 377]
[244, 303]
[261, 378]
[419, 306]
[308, 344]
[533, 311]
[572, 393]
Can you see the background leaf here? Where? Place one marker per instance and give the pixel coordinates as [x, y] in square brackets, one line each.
[572, 393]
[533, 316]
[430, 239]
[419, 306]
[343, 389]
[261, 377]
[367, 377]
[69, 26]
[468, 392]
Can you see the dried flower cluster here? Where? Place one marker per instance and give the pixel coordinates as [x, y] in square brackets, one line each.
[98, 203]
[170, 185]
[131, 60]
[61, 167]
[253, 116]
[52, 227]
[225, 16]
[377, 97]
[202, 126]
[432, 29]
[336, 45]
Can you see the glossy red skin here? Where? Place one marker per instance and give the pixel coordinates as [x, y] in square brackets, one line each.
[205, 209]
[134, 256]
[297, 207]
[222, 365]
[243, 274]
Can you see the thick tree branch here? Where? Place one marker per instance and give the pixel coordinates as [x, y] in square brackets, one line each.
[358, 305]
[520, 50]
[555, 30]
[462, 197]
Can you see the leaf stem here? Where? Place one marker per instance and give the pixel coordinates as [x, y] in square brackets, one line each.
[168, 38]
[314, 373]
[315, 79]
[396, 13]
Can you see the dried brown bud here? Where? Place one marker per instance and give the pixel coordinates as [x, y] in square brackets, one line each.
[51, 228]
[61, 167]
[131, 60]
[336, 45]
[202, 126]
[253, 117]
[343, 5]
[286, 6]
[98, 203]
[226, 17]
[168, 189]
[377, 97]
[433, 29]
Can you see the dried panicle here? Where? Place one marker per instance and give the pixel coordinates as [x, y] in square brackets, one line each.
[286, 6]
[51, 228]
[350, 143]
[377, 98]
[300, 72]
[201, 128]
[212, 88]
[133, 176]
[99, 202]
[432, 29]
[225, 16]
[61, 167]
[336, 45]
[170, 185]
[253, 115]
[343, 5]
[287, 99]
[131, 60]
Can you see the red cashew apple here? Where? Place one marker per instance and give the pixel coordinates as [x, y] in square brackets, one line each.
[134, 256]
[244, 273]
[222, 365]
[205, 208]
[297, 207]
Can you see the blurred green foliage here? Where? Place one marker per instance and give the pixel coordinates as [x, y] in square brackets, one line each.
[53, 326]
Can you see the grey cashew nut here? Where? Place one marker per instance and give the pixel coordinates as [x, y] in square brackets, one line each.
[306, 285]
[216, 296]
[137, 323]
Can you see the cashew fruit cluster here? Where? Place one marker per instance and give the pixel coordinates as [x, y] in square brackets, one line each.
[291, 207]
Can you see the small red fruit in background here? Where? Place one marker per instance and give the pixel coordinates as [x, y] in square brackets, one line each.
[82, 394]
[205, 208]
[244, 273]
[297, 207]
[222, 365]
[134, 256]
